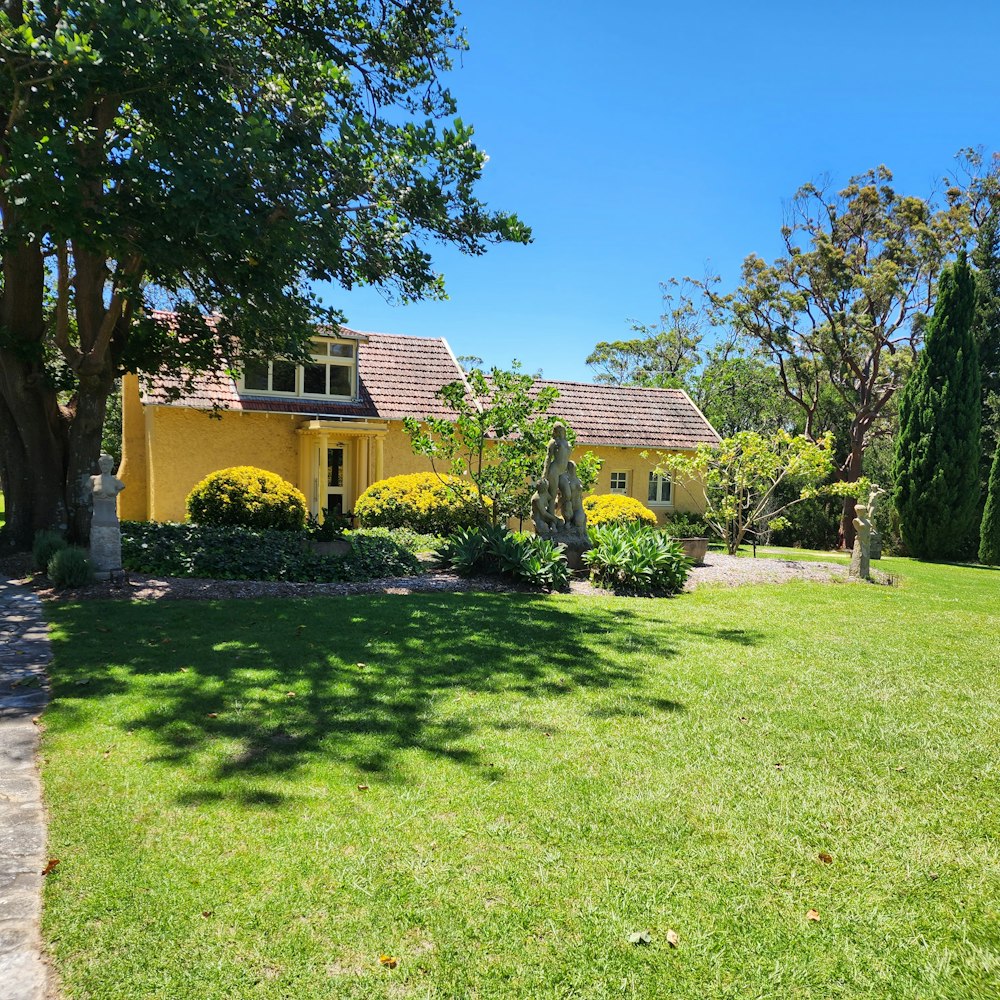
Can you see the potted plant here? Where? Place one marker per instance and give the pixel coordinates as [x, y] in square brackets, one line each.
[692, 533]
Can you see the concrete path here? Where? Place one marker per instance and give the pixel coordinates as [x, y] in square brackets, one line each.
[24, 655]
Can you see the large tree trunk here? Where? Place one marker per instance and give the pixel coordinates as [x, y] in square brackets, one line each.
[47, 451]
[851, 474]
[32, 458]
[82, 453]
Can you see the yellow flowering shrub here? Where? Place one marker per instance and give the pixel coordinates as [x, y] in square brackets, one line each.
[246, 497]
[421, 502]
[612, 508]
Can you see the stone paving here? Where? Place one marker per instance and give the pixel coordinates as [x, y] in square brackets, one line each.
[24, 655]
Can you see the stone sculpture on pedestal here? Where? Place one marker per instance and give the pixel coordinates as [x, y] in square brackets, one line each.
[557, 503]
[860, 556]
[105, 532]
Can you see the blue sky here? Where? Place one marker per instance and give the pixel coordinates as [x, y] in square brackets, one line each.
[649, 140]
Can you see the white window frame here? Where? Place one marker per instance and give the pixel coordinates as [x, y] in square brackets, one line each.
[325, 358]
[660, 481]
[619, 490]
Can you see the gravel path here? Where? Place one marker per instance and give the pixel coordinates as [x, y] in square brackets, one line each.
[734, 571]
[721, 570]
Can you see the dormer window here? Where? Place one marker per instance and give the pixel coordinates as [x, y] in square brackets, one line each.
[332, 373]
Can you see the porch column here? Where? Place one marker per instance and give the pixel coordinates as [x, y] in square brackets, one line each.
[379, 458]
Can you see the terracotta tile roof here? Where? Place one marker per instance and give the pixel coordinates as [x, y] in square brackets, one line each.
[631, 417]
[402, 374]
[398, 377]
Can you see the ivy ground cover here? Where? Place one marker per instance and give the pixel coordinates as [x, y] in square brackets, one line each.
[494, 796]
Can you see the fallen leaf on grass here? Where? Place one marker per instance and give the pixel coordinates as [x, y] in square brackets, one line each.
[51, 866]
[673, 939]
[780, 767]
[743, 718]
[813, 915]
[213, 715]
[362, 665]
[388, 961]
[640, 937]
[827, 859]
[207, 913]
[362, 788]
[291, 694]
[900, 768]
[184, 670]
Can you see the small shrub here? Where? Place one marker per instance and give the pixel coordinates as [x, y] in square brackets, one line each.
[247, 497]
[423, 502]
[373, 557]
[45, 546]
[611, 508]
[70, 567]
[537, 561]
[684, 525]
[636, 559]
[410, 540]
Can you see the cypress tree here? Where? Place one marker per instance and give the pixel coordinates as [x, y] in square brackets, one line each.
[986, 328]
[937, 449]
[989, 531]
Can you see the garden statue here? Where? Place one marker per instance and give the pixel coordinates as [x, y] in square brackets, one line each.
[862, 543]
[560, 492]
[875, 550]
[105, 533]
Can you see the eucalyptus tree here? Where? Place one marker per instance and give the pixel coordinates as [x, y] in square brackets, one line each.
[217, 157]
[843, 308]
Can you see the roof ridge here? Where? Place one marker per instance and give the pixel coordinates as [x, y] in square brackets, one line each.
[606, 385]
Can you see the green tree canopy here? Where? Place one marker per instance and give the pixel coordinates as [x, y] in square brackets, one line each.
[217, 157]
[936, 469]
[842, 309]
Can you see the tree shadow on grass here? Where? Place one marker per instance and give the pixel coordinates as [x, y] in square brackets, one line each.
[356, 680]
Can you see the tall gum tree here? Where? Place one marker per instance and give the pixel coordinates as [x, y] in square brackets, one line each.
[216, 157]
[843, 308]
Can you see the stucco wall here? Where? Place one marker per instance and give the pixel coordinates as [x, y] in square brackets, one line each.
[186, 445]
[168, 449]
[687, 496]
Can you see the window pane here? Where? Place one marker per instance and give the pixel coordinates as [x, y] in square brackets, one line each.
[652, 491]
[255, 376]
[283, 376]
[314, 380]
[334, 466]
[340, 380]
[318, 347]
[665, 489]
[341, 350]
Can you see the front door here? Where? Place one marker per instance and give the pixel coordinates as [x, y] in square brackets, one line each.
[336, 481]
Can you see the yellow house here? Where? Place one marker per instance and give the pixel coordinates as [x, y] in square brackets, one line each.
[334, 426]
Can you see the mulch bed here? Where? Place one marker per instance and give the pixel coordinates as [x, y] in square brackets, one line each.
[719, 570]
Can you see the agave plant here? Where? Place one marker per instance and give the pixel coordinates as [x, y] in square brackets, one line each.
[638, 559]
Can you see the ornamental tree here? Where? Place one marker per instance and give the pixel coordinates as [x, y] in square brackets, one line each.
[936, 468]
[496, 436]
[216, 157]
[742, 475]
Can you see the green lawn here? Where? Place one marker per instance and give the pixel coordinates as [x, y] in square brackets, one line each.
[258, 799]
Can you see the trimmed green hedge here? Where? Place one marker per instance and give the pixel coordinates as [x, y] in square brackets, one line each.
[224, 553]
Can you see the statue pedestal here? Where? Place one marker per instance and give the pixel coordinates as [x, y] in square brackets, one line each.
[105, 550]
[573, 547]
